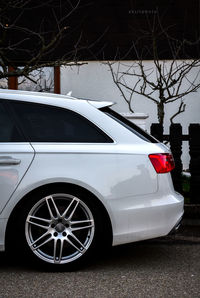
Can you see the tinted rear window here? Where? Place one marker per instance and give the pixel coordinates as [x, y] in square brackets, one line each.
[8, 130]
[43, 123]
[129, 125]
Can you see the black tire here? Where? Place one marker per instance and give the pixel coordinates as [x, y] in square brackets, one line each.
[60, 229]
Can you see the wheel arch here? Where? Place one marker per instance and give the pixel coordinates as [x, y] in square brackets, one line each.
[56, 186]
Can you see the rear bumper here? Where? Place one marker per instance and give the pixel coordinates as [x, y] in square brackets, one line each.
[147, 217]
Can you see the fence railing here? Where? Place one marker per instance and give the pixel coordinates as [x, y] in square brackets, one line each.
[175, 138]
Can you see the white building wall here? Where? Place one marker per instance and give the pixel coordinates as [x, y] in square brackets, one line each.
[93, 80]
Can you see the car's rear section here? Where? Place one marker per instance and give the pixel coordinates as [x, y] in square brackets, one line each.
[145, 204]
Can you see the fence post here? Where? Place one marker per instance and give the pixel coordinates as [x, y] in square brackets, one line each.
[194, 143]
[176, 148]
[157, 131]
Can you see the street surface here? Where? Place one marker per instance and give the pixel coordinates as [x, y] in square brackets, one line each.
[146, 269]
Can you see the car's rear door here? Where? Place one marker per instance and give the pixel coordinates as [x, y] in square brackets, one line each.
[16, 155]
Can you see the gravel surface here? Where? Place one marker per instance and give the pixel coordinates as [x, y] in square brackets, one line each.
[137, 270]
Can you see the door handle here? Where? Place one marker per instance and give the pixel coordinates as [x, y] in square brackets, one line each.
[7, 161]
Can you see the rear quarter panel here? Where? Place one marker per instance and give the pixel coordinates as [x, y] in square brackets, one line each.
[105, 170]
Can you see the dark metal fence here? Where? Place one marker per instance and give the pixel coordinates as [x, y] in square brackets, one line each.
[175, 138]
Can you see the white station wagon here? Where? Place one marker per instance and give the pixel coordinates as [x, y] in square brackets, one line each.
[76, 176]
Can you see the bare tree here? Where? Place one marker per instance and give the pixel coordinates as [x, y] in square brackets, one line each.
[166, 81]
[33, 35]
[40, 80]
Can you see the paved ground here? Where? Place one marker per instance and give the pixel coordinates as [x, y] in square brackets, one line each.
[146, 269]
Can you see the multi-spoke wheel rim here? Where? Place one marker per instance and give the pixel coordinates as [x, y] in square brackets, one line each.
[59, 228]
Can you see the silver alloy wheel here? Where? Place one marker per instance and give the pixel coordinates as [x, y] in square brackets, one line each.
[59, 228]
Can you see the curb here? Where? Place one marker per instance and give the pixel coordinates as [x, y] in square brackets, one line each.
[179, 239]
[190, 239]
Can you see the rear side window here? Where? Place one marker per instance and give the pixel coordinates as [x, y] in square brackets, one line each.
[43, 123]
[129, 125]
[8, 130]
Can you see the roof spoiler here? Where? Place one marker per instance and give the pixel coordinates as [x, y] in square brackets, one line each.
[101, 104]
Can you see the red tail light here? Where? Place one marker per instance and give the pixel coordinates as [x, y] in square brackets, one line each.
[162, 162]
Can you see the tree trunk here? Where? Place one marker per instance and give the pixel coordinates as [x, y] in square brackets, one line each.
[160, 112]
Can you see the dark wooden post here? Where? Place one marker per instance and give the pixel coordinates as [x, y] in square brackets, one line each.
[157, 131]
[176, 148]
[12, 81]
[57, 79]
[194, 143]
